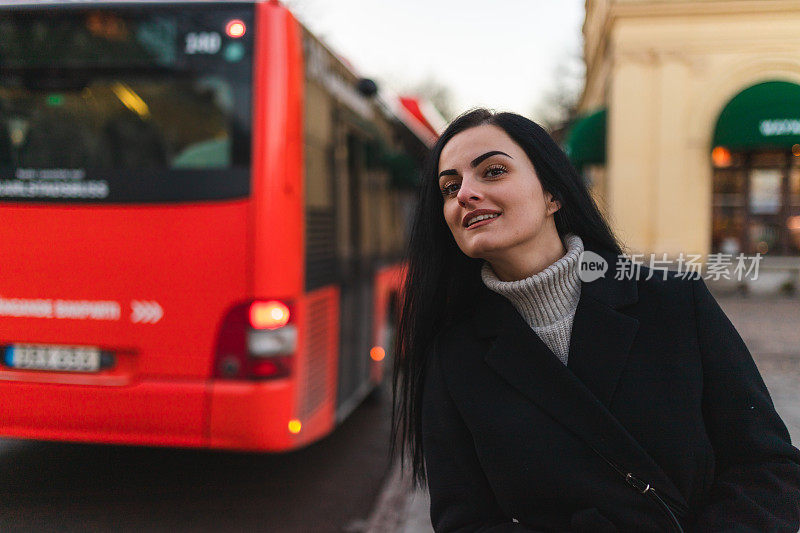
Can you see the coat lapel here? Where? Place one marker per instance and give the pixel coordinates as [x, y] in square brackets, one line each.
[576, 396]
[602, 336]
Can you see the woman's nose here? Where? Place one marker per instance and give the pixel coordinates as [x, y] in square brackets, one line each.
[467, 192]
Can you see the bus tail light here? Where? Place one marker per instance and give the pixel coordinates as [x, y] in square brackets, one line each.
[256, 341]
[271, 342]
[269, 315]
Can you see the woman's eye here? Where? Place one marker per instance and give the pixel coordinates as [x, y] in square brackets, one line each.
[450, 188]
[495, 171]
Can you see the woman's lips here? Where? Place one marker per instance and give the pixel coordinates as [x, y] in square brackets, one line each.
[482, 222]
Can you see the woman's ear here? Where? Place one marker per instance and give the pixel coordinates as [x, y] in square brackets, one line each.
[552, 205]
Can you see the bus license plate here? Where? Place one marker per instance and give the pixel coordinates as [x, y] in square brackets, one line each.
[59, 358]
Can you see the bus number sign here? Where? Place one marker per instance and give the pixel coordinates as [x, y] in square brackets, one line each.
[203, 42]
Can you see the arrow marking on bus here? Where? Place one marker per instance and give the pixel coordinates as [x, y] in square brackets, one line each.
[145, 312]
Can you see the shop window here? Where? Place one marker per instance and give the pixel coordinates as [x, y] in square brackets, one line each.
[765, 191]
[756, 204]
[774, 158]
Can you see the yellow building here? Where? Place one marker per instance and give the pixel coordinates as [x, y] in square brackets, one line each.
[690, 128]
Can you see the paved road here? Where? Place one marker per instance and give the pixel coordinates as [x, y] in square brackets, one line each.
[771, 329]
[328, 487]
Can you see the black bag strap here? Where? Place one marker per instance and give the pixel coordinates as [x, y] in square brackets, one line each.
[646, 488]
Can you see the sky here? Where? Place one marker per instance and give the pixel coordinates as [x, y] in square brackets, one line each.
[503, 54]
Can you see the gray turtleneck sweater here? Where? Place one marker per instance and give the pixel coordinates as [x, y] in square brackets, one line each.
[547, 300]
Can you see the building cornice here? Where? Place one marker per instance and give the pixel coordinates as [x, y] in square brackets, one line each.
[618, 10]
[660, 8]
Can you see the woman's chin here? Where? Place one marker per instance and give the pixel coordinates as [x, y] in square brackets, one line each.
[480, 251]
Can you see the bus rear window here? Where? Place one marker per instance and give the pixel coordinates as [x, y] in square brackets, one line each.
[122, 104]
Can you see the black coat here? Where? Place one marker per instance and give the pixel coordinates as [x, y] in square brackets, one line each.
[658, 384]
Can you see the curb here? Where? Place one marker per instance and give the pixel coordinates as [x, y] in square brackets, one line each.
[399, 508]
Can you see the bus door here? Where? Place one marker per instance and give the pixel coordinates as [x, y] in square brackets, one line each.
[355, 277]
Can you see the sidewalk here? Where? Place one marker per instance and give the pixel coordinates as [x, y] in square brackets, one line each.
[772, 281]
[399, 508]
[768, 322]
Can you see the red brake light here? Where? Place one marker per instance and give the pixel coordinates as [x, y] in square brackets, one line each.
[265, 368]
[243, 352]
[268, 315]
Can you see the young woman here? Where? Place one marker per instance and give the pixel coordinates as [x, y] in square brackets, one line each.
[530, 400]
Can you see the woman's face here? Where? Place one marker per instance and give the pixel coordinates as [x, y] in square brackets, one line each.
[494, 203]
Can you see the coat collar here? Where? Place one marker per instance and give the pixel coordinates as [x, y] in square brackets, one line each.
[577, 395]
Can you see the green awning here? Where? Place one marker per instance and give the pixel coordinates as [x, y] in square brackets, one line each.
[766, 115]
[586, 140]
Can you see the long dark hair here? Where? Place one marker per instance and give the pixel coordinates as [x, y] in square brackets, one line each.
[440, 279]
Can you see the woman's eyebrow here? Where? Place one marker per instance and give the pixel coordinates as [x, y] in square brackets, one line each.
[475, 162]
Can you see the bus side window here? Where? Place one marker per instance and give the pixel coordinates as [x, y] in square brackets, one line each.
[5, 145]
[320, 252]
[318, 133]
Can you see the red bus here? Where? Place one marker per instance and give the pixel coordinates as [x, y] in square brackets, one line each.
[202, 213]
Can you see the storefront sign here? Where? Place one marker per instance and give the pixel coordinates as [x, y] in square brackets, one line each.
[785, 126]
